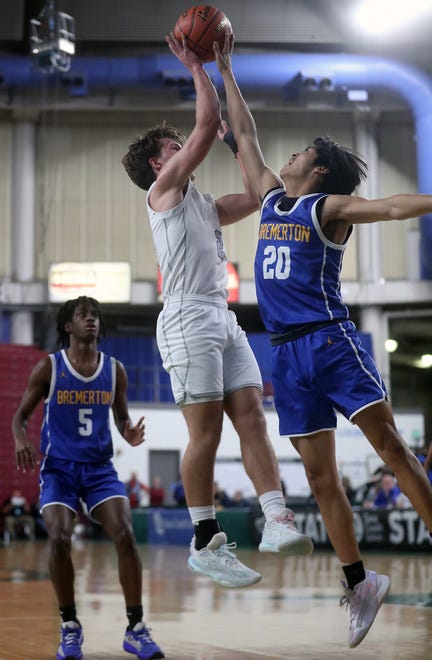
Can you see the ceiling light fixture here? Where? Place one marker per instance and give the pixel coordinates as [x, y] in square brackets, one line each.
[386, 16]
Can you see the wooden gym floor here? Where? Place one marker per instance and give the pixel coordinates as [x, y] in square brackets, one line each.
[292, 613]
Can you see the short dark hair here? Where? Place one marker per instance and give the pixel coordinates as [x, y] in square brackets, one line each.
[346, 168]
[136, 160]
[66, 312]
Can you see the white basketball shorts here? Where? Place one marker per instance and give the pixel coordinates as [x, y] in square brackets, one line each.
[205, 351]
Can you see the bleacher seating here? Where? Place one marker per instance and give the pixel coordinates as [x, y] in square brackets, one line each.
[16, 363]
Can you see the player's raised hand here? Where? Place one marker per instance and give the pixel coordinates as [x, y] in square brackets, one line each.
[223, 57]
[181, 51]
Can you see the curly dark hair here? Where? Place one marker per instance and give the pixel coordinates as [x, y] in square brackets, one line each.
[346, 168]
[136, 160]
[66, 312]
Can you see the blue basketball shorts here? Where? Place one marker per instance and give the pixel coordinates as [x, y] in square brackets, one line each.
[69, 482]
[321, 373]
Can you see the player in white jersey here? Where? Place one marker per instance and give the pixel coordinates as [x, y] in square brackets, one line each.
[210, 362]
[79, 385]
[318, 362]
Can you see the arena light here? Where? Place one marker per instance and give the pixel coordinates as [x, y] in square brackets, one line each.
[233, 283]
[358, 95]
[52, 39]
[390, 345]
[425, 361]
[386, 16]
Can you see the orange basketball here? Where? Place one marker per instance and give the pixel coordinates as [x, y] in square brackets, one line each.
[202, 25]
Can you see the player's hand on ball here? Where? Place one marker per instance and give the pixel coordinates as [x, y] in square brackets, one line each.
[182, 52]
[223, 58]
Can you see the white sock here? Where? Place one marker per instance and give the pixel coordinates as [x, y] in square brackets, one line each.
[198, 513]
[272, 503]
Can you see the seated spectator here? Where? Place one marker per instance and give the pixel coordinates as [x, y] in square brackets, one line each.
[221, 499]
[402, 502]
[135, 490]
[426, 460]
[178, 493]
[238, 500]
[18, 517]
[349, 490]
[366, 494]
[40, 527]
[157, 493]
[387, 494]
[268, 394]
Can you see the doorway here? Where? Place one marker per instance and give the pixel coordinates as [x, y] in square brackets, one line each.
[166, 465]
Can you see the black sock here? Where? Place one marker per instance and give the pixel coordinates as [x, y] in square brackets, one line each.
[354, 573]
[68, 614]
[204, 532]
[134, 615]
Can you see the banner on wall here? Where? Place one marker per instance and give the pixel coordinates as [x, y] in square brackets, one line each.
[170, 526]
[397, 529]
[107, 281]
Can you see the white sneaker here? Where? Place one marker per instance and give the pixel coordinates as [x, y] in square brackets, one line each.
[281, 535]
[217, 562]
[364, 601]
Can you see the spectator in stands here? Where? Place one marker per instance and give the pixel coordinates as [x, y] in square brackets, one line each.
[268, 394]
[135, 490]
[366, 494]
[349, 490]
[157, 492]
[40, 527]
[178, 492]
[402, 502]
[221, 499]
[77, 446]
[18, 517]
[238, 500]
[427, 461]
[387, 493]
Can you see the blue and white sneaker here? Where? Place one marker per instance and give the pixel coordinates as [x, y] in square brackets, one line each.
[220, 564]
[139, 642]
[280, 534]
[70, 641]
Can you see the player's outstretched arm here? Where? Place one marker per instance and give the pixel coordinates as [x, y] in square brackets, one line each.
[207, 119]
[356, 210]
[236, 206]
[261, 177]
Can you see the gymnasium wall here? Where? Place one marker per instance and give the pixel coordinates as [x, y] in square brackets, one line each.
[5, 198]
[166, 430]
[16, 363]
[88, 210]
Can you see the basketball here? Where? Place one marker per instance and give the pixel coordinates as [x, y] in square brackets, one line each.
[202, 25]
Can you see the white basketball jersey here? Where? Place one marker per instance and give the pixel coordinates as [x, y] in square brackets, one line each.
[189, 247]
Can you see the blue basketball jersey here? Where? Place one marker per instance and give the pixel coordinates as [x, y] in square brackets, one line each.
[76, 425]
[297, 268]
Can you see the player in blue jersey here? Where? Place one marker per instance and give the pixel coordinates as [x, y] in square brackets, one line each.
[79, 385]
[319, 365]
